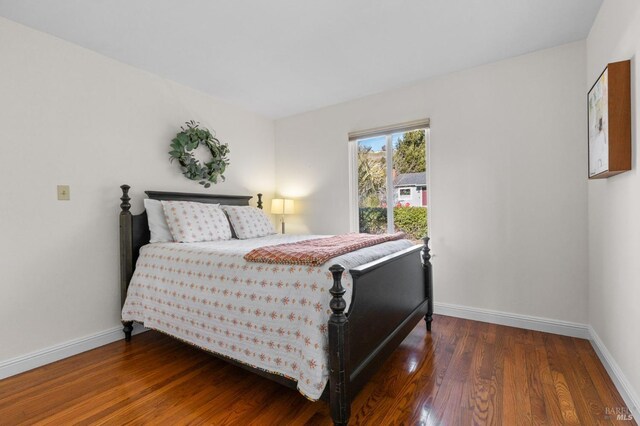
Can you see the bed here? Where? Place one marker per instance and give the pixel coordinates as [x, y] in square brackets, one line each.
[278, 321]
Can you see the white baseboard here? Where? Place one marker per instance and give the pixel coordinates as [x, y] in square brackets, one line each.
[563, 328]
[619, 379]
[54, 353]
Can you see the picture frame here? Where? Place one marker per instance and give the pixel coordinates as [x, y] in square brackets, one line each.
[609, 122]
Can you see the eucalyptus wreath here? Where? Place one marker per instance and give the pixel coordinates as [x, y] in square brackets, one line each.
[190, 137]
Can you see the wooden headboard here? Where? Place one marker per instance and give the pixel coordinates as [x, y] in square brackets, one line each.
[134, 229]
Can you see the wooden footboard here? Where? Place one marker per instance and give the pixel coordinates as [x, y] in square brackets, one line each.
[390, 296]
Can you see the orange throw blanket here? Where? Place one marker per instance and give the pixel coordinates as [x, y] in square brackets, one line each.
[318, 251]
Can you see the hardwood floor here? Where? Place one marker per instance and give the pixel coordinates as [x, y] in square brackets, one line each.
[464, 373]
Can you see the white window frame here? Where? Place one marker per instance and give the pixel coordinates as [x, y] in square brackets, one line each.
[388, 132]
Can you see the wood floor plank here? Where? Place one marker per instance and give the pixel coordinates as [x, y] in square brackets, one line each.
[483, 409]
[190, 402]
[219, 397]
[447, 400]
[509, 401]
[587, 401]
[16, 388]
[562, 390]
[536, 392]
[551, 400]
[59, 397]
[115, 398]
[605, 388]
[405, 407]
[582, 379]
[138, 407]
[522, 386]
[387, 386]
[494, 372]
[464, 372]
[473, 404]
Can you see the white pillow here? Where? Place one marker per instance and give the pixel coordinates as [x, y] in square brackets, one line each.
[191, 222]
[249, 222]
[157, 223]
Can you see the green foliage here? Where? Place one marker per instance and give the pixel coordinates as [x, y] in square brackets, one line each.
[410, 153]
[371, 177]
[189, 139]
[373, 220]
[410, 220]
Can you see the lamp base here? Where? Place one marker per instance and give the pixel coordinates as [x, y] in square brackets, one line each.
[283, 225]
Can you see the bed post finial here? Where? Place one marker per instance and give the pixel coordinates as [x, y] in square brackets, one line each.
[428, 281]
[337, 304]
[126, 252]
[259, 200]
[125, 205]
[339, 375]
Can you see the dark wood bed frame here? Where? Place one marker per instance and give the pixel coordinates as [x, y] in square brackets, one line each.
[390, 296]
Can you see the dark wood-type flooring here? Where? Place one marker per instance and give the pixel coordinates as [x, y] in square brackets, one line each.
[464, 373]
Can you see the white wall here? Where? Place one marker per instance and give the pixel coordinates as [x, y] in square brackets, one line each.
[614, 205]
[508, 189]
[70, 116]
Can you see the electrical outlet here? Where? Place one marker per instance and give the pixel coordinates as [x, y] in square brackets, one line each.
[63, 193]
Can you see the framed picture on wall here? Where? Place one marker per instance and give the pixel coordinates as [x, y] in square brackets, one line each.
[599, 125]
[609, 110]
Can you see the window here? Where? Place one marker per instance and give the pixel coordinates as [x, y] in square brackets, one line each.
[389, 179]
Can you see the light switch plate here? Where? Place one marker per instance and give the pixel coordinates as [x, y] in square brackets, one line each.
[63, 193]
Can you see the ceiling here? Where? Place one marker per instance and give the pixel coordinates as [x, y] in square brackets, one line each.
[282, 57]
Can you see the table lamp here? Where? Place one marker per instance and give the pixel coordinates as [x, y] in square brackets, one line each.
[282, 206]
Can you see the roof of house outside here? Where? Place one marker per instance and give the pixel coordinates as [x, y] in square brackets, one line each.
[411, 179]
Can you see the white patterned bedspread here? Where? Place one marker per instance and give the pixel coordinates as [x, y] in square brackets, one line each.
[273, 317]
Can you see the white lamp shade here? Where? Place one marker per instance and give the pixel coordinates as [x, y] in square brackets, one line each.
[288, 206]
[277, 206]
[282, 206]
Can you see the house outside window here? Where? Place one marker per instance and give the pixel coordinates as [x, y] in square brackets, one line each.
[411, 189]
[389, 180]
